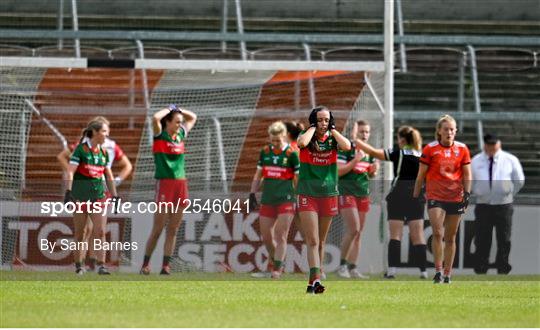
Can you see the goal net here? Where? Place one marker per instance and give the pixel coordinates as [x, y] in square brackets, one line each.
[234, 109]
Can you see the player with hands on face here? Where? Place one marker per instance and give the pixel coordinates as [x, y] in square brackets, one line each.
[317, 187]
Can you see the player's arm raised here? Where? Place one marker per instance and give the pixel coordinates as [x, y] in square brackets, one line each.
[304, 139]
[367, 148]
[343, 143]
[156, 120]
[189, 119]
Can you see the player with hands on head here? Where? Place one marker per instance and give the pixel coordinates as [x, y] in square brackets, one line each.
[317, 187]
[170, 127]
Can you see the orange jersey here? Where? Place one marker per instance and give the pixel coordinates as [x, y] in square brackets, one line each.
[444, 178]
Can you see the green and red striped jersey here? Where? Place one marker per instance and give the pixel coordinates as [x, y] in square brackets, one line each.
[318, 169]
[91, 162]
[169, 155]
[278, 170]
[356, 182]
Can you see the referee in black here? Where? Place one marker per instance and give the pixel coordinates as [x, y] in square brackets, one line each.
[497, 178]
[402, 207]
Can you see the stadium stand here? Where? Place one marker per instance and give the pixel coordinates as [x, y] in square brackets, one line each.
[509, 78]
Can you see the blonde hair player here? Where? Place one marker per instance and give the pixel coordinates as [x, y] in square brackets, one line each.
[277, 171]
[445, 166]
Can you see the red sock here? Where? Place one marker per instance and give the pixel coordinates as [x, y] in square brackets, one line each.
[447, 272]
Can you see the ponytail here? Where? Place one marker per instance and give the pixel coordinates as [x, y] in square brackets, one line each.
[412, 136]
[416, 139]
[294, 129]
[88, 132]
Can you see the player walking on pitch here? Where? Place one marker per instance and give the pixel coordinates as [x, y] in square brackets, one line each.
[168, 148]
[87, 165]
[355, 167]
[317, 187]
[445, 165]
[277, 170]
[402, 208]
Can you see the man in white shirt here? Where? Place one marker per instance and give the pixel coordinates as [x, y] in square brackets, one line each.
[497, 178]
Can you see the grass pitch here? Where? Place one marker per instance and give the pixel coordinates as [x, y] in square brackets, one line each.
[228, 300]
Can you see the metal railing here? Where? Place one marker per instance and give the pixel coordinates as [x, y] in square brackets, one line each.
[324, 38]
[311, 85]
[402, 51]
[60, 22]
[221, 151]
[55, 131]
[75, 19]
[240, 27]
[461, 88]
[476, 95]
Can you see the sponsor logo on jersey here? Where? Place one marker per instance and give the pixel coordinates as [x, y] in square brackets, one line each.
[277, 172]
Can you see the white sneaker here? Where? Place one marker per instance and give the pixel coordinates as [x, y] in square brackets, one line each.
[80, 271]
[323, 275]
[261, 275]
[343, 271]
[356, 274]
[423, 275]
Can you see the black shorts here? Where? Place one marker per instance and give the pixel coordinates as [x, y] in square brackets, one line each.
[451, 208]
[405, 208]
